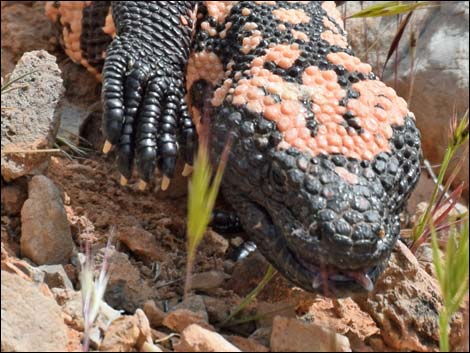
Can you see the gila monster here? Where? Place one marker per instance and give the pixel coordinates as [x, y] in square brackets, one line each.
[323, 156]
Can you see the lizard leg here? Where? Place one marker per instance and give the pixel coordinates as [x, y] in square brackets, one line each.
[145, 116]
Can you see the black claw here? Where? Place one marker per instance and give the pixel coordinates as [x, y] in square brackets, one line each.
[225, 222]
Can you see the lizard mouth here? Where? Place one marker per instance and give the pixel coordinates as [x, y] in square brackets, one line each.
[326, 278]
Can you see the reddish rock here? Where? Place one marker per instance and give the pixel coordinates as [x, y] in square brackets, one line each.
[268, 311]
[247, 274]
[142, 243]
[345, 317]
[214, 241]
[207, 281]
[292, 335]
[24, 28]
[154, 313]
[13, 197]
[179, 319]
[198, 339]
[45, 231]
[405, 304]
[218, 309]
[127, 334]
[247, 344]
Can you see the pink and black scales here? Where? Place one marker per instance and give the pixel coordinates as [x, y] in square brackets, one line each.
[324, 155]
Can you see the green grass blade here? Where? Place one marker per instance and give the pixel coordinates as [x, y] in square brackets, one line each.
[252, 295]
[9, 83]
[391, 8]
[436, 258]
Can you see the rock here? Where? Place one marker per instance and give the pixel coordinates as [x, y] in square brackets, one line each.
[268, 311]
[444, 31]
[107, 315]
[421, 193]
[23, 269]
[126, 289]
[24, 28]
[440, 30]
[95, 337]
[127, 333]
[142, 243]
[13, 197]
[457, 212]
[71, 118]
[218, 309]
[71, 303]
[30, 320]
[247, 273]
[216, 242]
[72, 273]
[30, 123]
[246, 344]
[262, 335]
[197, 339]
[405, 304]
[205, 281]
[90, 127]
[180, 319]
[425, 258]
[154, 313]
[196, 304]
[55, 276]
[150, 347]
[292, 335]
[345, 317]
[45, 232]
[229, 265]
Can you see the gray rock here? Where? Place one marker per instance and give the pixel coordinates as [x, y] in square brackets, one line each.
[441, 77]
[28, 119]
[45, 231]
[71, 118]
[196, 304]
[31, 322]
[441, 68]
[55, 276]
[126, 290]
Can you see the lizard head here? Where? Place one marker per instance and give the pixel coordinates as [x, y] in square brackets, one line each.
[325, 220]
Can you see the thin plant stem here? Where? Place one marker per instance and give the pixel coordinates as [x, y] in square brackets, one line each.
[248, 299]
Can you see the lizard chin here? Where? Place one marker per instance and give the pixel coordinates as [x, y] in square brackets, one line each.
[313, 277]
